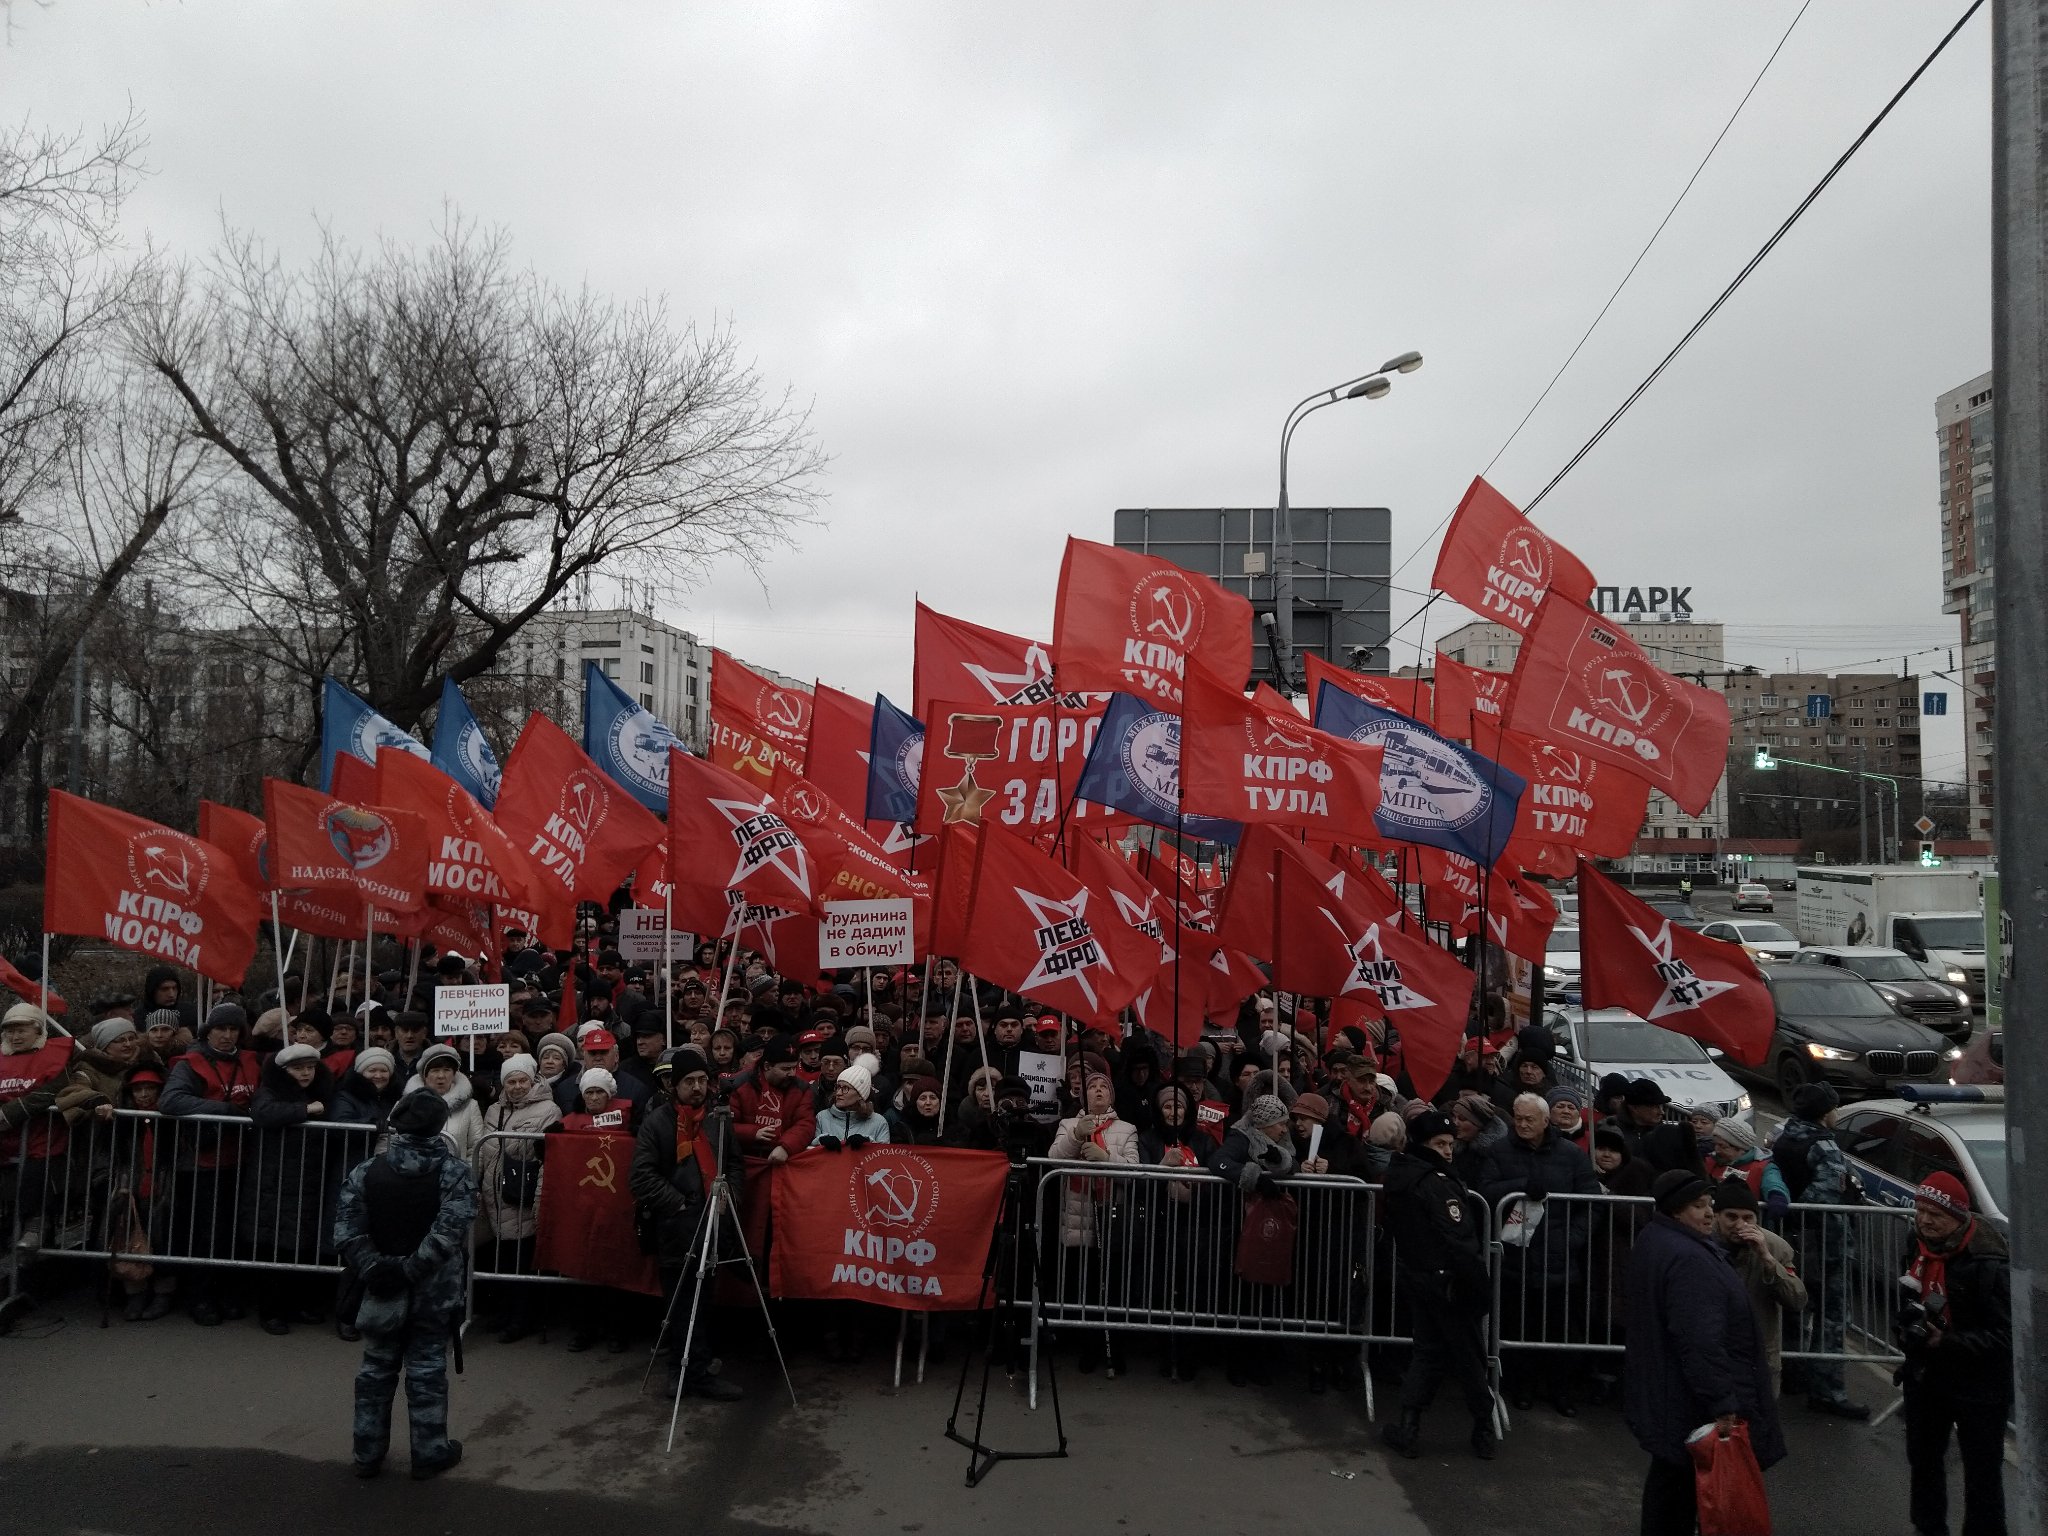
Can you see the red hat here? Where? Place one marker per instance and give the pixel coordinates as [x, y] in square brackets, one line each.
[599, 1040]
[812, 1037]
[1049, 1024]
[145, 1075]
[1945, 1191]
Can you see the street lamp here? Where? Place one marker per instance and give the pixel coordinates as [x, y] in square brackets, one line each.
[1371, 386]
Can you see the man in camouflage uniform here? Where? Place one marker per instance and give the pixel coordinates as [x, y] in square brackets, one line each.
[403, 1230]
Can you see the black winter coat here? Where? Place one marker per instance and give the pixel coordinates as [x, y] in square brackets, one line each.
[1552, 1167]
[678, 1194]
[1973, 1361]
[1439, 1233]
[1694, 1352]
[1663, 1146]
[290, 1176]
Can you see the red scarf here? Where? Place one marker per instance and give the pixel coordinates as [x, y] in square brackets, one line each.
[1930, 1266]
[1357, 1118]
[690, 1140]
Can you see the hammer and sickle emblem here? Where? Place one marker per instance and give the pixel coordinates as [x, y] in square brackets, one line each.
[1527, 558]
[600, 1170]
[1175, 616]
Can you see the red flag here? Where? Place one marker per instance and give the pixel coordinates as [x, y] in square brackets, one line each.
[1139, 904]
[1015, 764]
[580, 833]
[469, 856]
[585, 1222]
[1172, 877]
[651, 885]
[1519, 914]
[1410, 696]
[1468, 697]
[1133, 622]
[1632, 957]
[958, 660]
[1502, 566]
[319, 843]
[905, 1227]
[1027, 924]
[1256, 760]
[1584, 684]
[21, 986]
[726, 834]
[1572, 800]
[461, 927]
[847, 864]
[757, 725]
[1271, 909]
[1450, 889]
[836, 751]
[141, 886]
[333, 914]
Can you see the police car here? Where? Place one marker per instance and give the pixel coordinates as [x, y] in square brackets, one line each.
[1894, 1144]
[1614, 1040]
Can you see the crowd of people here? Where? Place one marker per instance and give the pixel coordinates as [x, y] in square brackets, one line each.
[902, 1056]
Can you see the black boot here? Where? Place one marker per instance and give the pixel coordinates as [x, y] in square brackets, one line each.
[1406, 1435]
[1482, 1440]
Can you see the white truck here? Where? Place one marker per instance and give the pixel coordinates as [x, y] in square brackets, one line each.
[1936, 916]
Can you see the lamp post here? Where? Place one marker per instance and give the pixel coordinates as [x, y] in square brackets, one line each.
[1369, 386]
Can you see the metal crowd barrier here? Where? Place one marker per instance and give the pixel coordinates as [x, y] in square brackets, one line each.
[508, 1211]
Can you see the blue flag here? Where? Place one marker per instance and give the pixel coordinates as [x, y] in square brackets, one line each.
[626, 741]
[460, 750]
[1432, 791]
[348, 724]
[895, 759]
[1134, 766]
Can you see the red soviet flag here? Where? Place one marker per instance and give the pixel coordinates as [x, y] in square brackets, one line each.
[469, 856]
[1632, 957]
[1450, 888]
[900, 1226]
[1256, 760]
[1502, 566]
[724, 833]
[846, 863]
[651, 887]
[954, 659]
[1133, 623]
[1468, 698]
[1573, 799]
[1410, 696]
[319, 843]
[1173, 1002]
[143, 887]
[1519, 914]
[1582, 683]
[1272, 910]
[757, 725]
[1016, 764]
[584, 1226]
[21, 986]
[836, 751]
[1039, 930]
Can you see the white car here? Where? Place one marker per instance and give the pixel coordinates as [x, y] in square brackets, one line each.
[1567, 905]
[1753, 896]
[1615, 1040]
[1766, 941]
[1561, 965]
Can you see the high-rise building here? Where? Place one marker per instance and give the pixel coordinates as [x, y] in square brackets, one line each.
[1969, 528]
[1866, 722]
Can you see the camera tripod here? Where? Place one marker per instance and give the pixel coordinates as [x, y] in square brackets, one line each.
[1000, 1269]
[704, 1257]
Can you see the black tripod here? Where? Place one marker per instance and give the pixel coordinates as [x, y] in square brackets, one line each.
[1013, 1227]
[704, 1255]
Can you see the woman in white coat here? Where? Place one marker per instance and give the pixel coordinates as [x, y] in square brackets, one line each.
[1091, 1246]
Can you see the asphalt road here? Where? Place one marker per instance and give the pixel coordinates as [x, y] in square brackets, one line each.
[167, 1427]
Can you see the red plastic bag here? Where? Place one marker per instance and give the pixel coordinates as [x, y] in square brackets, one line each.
[1265, 1248]
[1729, 1483]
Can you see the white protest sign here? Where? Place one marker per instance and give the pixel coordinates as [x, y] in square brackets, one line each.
[640, 937]
[1043, 1073]
[865, 933]
[480, 1010]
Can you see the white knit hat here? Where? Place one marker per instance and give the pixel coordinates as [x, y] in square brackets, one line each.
[521, 1065]
[860, 1079]
[593, 1077]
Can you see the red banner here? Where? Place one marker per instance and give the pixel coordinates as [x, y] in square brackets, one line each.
[954, 659]
[1502, 566]
[726, 834]
[319, 843]
[584, 1227]
[580, 833]
[1582, 683]
[847, 864]
[1410, 696]
[1016, 765]
[1468, 698]
[1256, 760]
[469, 857]
[757, 725]
[21, 986]
[141, 886]
[905, 1227]
[1133, 623]
[244, 838]
[1572, 800]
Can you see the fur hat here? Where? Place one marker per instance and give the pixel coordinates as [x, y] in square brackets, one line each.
[1265, 1110]
[1427, 1126]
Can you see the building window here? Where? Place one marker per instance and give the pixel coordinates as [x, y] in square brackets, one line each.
[1855, 741]
[610, 664]
[1770, 739]
[647, 702]
[1882, 720]
[1748, 705]
[1685, 832]
[1855, 721]
[1770, 701]
[646, 671]
[1835, 741]
[1884, 741]
[1791, 719]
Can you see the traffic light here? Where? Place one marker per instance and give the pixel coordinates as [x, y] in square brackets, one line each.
[1927, 857]
[1764, 758]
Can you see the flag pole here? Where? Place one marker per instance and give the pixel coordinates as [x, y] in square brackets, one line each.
[412, 978]
[45, 983]
[1178, 820]
[277, 948]
[946, 1072]
[668, 922]
[732, 956]
[369, 946]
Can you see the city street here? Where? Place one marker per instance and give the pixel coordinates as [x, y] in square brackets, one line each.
[172, 1428]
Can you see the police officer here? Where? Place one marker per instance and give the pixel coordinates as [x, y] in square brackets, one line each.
[1439, 1235]
[1955, 1329]
[403, 1231]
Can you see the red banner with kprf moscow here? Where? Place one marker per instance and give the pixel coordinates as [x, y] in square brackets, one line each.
[905, 1227]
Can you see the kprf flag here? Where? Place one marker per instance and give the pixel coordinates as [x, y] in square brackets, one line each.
[1134, 623]
[1502, 566]
[1450, 889]
[585, 1221]
[1270, 910]
[1173, 1004]
[1431, 790]
[723, 833]
[319, 843]
[757, 724]
[1469, 699]
[1410, 696]
[469, 856]
[905, 1227]
[847, 864]
[1582, 683]
[581, 834]
[954, 659]
[1671, 976]
[1573, 799]
[348, 726]
[626, 739]
[1134, 766]
[1025, 923]
[143, 887]
[1018, 765]
[1519, 914]
[330, 914]
[1256, 760]
[895, 763]
[836, 758]
[460, 749]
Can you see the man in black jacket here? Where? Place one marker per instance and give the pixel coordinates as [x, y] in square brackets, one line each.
[676, 1161]
[1663, 1145]
[1955, 1329]
[1439, 1234]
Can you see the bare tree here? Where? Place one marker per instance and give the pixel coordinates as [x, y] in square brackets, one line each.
[423, 448]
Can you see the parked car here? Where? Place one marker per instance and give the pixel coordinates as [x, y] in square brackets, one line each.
[1567, 905]
[1766, 941]
[1934, 1003]
[1561, 964]
[1834, 1026]
[1754, 896]
[1896, 1143]
[1615, 1040]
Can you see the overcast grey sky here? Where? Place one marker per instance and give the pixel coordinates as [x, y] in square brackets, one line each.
[1037, 262]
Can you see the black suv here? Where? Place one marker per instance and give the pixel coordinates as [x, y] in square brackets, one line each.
[1833, 1026]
